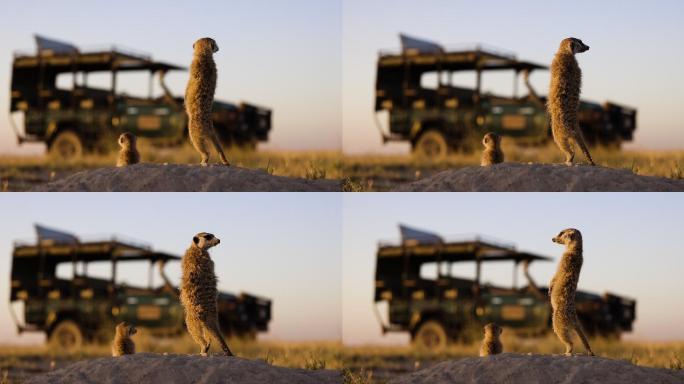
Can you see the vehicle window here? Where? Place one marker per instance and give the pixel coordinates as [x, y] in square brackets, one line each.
[137, 84]
[429, 271]
[463, 270]
[65, 81]
[498, 274]
[499, 83]
[136, 274]
[464, 79]
[430, 80]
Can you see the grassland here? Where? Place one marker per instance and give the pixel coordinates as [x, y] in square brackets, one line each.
[20, 173]
[383, 173]
[360, 365]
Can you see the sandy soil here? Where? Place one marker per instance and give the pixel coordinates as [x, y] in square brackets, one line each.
[517, 177]
[156, 368]
[544, 369]
[184, 178]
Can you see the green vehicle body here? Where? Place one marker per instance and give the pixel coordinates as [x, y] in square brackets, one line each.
[94, 304]
[460, 116]
[95, 114]
[451, 306]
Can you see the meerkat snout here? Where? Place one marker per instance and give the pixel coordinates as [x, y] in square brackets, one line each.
[204, 240]
[567, 236]
[574, 45]
[123, 344]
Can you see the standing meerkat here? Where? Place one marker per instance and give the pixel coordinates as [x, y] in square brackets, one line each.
[492, 153]
[564, 99]
[199, 98]
[198, 293]
[123, 344]
[562, 291]
[128, 154]
[491, 345]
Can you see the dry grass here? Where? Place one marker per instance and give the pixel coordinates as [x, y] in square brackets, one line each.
[384, 172]
[368, 364]
[18, 173]
[359, 365]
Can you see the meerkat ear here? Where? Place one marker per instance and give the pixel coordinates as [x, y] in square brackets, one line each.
[195, 240]
[193, 45]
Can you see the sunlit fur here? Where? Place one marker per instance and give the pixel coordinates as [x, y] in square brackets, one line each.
[564, 99]
[128, 154]
[199, 98]
[492, 153]
[198, 293]
[123, 344]
[562, 290]
[491, 344]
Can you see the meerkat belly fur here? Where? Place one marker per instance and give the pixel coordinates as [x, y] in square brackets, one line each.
[492, 153]
[562, 291]
[198, 293]
[123, 344]
[564, 99]
[491, 345]
[128, 154]
[199, 98]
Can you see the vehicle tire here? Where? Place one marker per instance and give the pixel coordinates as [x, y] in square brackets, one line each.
[66, 336]
[430, 335]
[431, 145]
[66, 146]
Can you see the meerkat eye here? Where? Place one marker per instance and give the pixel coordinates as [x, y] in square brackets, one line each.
[209, 236]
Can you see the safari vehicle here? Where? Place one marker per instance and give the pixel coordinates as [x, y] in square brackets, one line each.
[440, 308]
[79, 308]
[71, 121]
[437, 117]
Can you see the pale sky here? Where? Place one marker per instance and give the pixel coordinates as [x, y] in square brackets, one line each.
[631, 247]
[283, 246]
[285, 55]
[635, 57]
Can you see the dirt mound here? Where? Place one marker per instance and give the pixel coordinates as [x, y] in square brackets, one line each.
[155, 368]
[544, 369]
[516, 177]
[184, 178]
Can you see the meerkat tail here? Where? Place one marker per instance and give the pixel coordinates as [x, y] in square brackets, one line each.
[583, 146]
[583, 337]
[217, 146]
[214, 332]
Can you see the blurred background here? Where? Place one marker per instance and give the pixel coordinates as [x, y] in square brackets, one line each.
[631, 249]
[634, 56]
[284, 56]
[283, 247]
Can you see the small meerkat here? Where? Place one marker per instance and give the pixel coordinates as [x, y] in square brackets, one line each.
[128, 154]
[564, 99]
[492, 153]
[123, 344]
[491, 344]
[199, 98]
[198, 293]
[562, 291]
